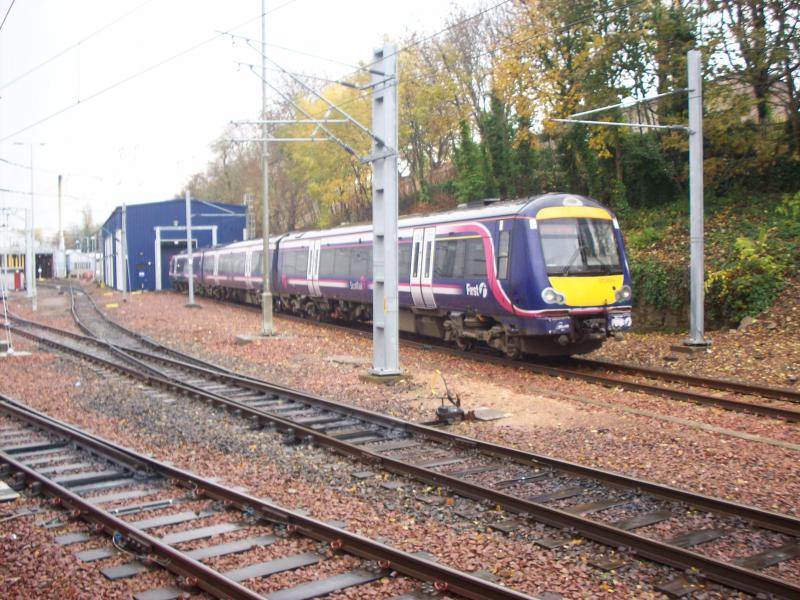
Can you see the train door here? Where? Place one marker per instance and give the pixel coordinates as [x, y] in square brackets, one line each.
[312, 272]
[422, 252]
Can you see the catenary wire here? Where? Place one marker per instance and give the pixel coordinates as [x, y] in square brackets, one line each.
[513, 43]
[72, 46]
[51, 171]
[7, 13]
[138, 74]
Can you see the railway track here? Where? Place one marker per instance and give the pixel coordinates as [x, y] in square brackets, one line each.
[144, 508]
[606, 507]
[772, 402]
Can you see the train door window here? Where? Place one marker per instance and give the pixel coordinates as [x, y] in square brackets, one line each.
[502, 254]
[326, 256]
[404, 259]
[359, 262]
[195, 265]
[475, 259]
[415, 260]
[428, 256]
[255, 263]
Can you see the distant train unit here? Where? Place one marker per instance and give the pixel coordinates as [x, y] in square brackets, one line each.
[545, 276]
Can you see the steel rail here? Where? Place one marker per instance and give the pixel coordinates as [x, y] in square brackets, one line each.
[728, 385]
[719, 571]
[774, 393]
[444, 577]
[770, 520]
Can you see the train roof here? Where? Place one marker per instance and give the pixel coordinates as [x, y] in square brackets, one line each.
[523, 206]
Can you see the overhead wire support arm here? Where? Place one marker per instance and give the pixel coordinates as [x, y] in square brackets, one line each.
[617, 124]
[250, 41]
[629, 104]
[354, 121]
[289, 122]
[345, 146]
[308, 139]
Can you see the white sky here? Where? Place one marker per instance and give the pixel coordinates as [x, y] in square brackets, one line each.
[140, 141]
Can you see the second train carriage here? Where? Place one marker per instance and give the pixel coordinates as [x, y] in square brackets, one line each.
[544, 276]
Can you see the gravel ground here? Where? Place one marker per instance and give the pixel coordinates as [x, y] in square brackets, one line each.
[214, 444]
[761, 350]
[549, 415]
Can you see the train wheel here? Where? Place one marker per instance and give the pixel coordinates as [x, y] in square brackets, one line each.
[311, 311]
[465, 344]
[512, 349]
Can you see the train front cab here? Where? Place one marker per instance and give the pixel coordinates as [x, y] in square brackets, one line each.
[581, 288]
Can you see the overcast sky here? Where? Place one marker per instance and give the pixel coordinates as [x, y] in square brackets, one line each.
[141, 140]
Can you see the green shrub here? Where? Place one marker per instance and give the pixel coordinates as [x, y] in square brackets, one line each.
[746, 288]
[657, 284]
[645, 238]
[788, 212]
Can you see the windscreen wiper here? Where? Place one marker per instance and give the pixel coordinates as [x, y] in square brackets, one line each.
[578, 252]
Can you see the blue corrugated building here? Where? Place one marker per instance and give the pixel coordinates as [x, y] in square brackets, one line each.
[156, 231]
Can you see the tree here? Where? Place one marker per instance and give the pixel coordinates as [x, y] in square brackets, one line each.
[470, 182]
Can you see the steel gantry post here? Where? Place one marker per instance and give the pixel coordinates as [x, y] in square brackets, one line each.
[385, 313]
[696, 317]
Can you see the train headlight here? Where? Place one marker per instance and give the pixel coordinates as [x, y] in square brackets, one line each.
[623, 294]
[550, 296]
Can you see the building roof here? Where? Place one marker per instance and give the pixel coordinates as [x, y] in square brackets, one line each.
[219, 207]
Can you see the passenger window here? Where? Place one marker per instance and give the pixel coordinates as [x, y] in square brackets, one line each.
[326, 262]
[404, 260]
[444, 265]
[341, 262]
[255, 264]
[476, 259]
[359, 263]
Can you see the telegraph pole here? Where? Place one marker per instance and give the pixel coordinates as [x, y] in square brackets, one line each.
[30, 261]
[385, 310]
[189, 260]
[266, 295]
[124, 253]
[61, 261]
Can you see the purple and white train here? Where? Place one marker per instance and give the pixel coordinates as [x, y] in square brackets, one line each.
[545, 276]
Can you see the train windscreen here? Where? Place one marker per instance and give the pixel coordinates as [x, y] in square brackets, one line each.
[579, 247]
